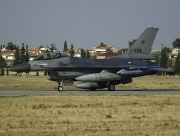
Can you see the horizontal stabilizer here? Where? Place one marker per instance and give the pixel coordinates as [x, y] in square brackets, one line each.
[143, 67]
[152, 68]
[161, 70]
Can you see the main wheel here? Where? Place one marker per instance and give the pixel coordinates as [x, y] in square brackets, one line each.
[60, 88]
[111, 87]
[93, 89]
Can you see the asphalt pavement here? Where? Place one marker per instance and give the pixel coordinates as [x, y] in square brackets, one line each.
[87, 92]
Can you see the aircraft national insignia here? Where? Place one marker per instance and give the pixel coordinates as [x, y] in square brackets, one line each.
[142, 41]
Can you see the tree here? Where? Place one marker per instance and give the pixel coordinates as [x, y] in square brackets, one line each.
[65, 46]
[2, 65]
[87, 54]
[10, 46]
[94, 57]
[164, 58]
[102, 44]
[167, 50]
[41, 46]
[124, 50]
[71, 51]
[53, 47]
[23, 55]
[131, 42]
[83, 53]
[109, 50]
[176, 43]
[2, 62]
[177, 64]
[27, 47]
[47, 50]
[27, 53]
[17, 57]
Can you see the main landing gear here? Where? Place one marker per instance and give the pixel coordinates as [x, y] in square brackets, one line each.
[60, 85]
[111, 87]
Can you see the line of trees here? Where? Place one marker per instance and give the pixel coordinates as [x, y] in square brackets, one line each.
[71, 50]
[21, 55]
[84, 54]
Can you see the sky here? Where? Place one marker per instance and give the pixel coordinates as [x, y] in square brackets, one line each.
[86, 23]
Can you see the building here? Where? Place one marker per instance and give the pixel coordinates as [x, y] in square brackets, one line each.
[34, 53]
[104, 49]
[77, 53]
[8, 55]
[175, 51]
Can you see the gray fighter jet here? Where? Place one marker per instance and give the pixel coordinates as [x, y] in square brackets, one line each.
[93, 73]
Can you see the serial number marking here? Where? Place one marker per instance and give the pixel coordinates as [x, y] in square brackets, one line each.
[136, 50]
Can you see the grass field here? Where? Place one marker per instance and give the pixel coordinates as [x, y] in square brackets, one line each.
[32, 82]
[90, 115]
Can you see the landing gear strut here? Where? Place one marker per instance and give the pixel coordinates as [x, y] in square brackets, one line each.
[111, 87]
[60, 85]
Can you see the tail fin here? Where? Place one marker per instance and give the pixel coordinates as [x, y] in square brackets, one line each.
[142, 46]
[144, 43]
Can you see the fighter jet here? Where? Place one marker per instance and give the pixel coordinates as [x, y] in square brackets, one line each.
[93, 73]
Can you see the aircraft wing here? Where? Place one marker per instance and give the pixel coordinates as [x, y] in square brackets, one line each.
[87, 67]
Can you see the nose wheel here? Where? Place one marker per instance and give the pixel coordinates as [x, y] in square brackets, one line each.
[60, 88]
[60, 85]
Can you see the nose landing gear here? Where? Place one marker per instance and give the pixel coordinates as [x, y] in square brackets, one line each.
[60, 85]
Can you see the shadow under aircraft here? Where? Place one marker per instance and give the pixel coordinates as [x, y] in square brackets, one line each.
[99, 73]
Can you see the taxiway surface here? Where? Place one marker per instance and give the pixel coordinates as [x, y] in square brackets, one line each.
[87, 92]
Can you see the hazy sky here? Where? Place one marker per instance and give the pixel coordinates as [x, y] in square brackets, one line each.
[86, 23]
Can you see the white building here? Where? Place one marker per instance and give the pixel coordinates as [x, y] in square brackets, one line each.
[175, 51]
[103, 49]
[8, 55]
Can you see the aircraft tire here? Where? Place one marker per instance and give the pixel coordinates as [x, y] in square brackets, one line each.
[93, 89]
[111, 87]
[60, 88]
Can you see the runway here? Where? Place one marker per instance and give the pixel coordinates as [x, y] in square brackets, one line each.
[87, 92]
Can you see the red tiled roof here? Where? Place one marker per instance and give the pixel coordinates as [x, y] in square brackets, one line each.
[34, 53]
[9, 52]
[104, 47]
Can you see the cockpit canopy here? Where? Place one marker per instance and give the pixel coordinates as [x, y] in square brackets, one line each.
[51, 56]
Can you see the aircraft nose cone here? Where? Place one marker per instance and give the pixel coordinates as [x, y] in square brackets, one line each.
[21, 68]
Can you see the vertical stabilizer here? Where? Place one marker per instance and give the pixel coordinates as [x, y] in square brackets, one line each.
[141, 48]
[144, 43]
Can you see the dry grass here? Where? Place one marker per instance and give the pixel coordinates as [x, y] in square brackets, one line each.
[32, 82]
[154, 82]
[90, 115]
